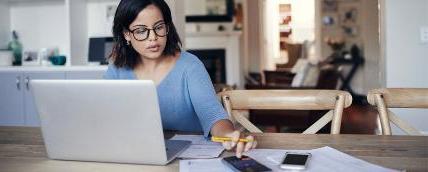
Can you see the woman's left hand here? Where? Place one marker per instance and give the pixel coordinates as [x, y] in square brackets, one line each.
[240, 147]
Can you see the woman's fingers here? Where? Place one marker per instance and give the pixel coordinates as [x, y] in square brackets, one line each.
[235, 135]
[254, 145]
[235, 138]
[239, 149]
[249, 145]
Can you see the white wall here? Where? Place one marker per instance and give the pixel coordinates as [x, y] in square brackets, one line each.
[254, 27]
[195, 7]
[405, 56]
[178, 17]
[4, 25]
[79, 36]
[271, 34]
[98, 23]
[40, 25]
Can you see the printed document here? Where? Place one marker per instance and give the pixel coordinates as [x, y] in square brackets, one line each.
[325, 159]
[200, 148]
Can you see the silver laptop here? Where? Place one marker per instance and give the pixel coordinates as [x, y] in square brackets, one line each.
[104, 121]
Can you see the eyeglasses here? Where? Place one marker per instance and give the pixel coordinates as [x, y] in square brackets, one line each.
[141, 34]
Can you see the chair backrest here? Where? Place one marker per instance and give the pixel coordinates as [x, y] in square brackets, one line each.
[238, 103]
[397, 98]
[223, 87]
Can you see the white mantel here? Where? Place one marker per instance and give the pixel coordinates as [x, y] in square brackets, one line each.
[220, 40]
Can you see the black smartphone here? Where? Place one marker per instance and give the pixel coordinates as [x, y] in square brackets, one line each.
[295, 161]
[244, 164]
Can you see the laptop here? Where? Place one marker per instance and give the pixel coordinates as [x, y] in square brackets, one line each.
[104, 121]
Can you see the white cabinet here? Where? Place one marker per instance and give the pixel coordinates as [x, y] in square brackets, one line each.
[30, 110]
[85, 74]
[11, 99]
[17, 107]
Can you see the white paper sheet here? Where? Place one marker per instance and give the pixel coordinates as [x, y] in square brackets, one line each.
[203, 165]
[200, 147]
[323, 159]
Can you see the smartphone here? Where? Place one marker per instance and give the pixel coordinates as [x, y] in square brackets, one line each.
[244, 164]
[295, 161]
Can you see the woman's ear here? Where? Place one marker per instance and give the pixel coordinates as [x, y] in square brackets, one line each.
[127, 35]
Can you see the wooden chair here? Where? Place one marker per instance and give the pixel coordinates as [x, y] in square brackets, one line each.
[238, 103]
[223, 87]
[397, 98]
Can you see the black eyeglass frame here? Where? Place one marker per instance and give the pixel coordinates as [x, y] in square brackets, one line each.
[148, 32]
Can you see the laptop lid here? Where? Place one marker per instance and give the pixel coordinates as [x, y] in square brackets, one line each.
[100, 120]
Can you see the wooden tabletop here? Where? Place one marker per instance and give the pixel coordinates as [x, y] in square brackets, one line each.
[22, 149]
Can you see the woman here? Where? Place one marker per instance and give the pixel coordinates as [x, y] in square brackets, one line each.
[148, 48]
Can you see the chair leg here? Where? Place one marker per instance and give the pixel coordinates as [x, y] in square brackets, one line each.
[383, 115]
[337, 116]
[379, 126]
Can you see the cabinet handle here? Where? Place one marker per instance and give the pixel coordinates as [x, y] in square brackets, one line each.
[18, 82]
[27, 82]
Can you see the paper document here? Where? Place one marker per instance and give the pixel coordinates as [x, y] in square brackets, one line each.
[200, 147]
[203, 165]
[323, 159]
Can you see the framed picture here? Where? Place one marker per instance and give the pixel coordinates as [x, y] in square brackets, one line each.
[330, 20]
[349, 15]
[329, 5]
[30, 58]
[351, 31]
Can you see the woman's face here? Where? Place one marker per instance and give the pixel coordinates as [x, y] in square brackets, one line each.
[148, 33]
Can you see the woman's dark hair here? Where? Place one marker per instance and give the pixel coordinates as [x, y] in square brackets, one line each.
[124, 55]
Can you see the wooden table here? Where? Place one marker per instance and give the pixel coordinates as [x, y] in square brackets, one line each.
[22, 149]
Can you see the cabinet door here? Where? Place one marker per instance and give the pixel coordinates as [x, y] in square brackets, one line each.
[31, 115]
[95, 74]
[11, 99]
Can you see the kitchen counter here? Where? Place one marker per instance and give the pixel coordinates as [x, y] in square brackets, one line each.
[51, 68]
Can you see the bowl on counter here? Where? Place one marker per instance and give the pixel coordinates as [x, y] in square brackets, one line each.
[58, 60]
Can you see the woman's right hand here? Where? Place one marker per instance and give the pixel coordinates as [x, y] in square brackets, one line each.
[239, 147]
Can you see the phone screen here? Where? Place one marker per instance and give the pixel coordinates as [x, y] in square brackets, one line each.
[245, 164]
[295, 159]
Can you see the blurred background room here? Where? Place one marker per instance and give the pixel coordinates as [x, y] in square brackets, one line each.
[351, 45]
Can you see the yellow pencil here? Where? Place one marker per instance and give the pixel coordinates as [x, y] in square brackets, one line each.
[223, 139]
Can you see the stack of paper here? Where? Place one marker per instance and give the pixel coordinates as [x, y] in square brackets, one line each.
[323, 159]
[200, 147]
[202, 165]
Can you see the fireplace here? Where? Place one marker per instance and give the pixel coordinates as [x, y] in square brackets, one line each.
[227, 69]
[214, 61]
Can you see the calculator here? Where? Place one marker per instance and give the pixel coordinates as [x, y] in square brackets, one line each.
[244, 164]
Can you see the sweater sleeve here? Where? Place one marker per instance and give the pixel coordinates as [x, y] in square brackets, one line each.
[203, 97]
